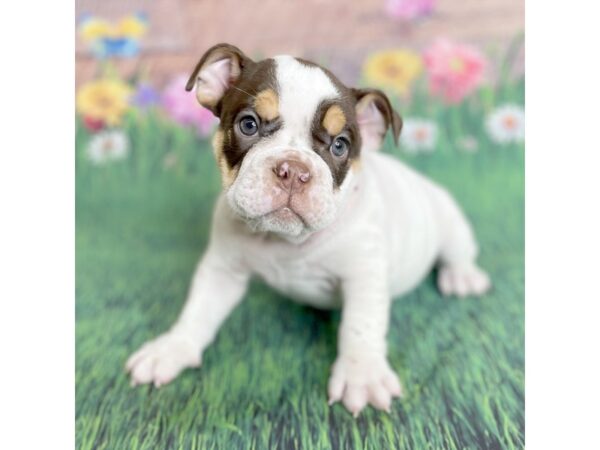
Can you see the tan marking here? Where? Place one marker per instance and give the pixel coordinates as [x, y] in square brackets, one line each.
[228, 175]
[334, 120]
[217, 143]
[267, 104]
[356, 165]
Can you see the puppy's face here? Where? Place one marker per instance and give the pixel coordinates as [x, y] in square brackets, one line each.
[290, 137]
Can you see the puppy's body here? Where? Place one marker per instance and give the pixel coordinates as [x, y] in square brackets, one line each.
[312, 208]
[389, 207]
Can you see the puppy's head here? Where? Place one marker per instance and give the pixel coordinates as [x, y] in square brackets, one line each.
[290, 136]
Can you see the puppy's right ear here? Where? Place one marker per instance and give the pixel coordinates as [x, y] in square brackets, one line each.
[375, 115]
[218, 69]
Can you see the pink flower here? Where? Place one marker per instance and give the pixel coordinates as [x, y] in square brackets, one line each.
[183, 108]
[454, 70]
[409, 9]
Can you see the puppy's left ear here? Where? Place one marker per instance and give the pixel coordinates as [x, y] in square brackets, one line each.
[218, 69]
[375, 115]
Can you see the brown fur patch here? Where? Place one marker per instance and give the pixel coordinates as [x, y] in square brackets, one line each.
[267, 104]
[228, 174]
[334, 120]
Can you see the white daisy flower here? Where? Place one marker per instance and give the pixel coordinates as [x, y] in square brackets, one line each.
[506, 124]
[418, 135]
[106, 146]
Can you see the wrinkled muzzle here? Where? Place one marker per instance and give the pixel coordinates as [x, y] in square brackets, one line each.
[288, 192]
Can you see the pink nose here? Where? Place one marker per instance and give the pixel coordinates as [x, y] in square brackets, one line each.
[293, 175]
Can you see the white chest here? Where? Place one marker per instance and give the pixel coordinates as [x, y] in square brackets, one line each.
[304, 278]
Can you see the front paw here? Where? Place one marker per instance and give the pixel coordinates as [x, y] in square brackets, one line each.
[159, 361]
[361, 380]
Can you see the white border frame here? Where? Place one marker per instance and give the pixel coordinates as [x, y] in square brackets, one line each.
[562, 224]
[37, 284]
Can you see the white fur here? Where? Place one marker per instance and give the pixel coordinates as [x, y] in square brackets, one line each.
[373, 239]
[297, 104]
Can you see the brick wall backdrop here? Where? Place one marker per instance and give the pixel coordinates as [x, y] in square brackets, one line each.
[339, 33]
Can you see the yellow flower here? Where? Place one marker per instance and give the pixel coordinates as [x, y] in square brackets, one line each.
[105, 100]
[131, 27]
[93, 29]
[393, 69]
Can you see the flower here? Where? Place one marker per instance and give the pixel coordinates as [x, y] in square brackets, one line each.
[393, 69]
[409, 9]
[133, 26]
[122, 47]
[107, 39]
[418, 135]
[93, 124]
[145, 96]
[183, 108]
[106, 146]
[92, 28]
[468, 144]
[103, 100]
[506, 124]
[454, 70]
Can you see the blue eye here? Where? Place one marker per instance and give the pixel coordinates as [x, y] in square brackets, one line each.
[339, 147]
[248, 125]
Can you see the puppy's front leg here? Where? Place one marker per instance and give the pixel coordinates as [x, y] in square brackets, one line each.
[361, 373]
[217, 287]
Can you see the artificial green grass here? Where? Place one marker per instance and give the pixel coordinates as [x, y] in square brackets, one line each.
[262, 384]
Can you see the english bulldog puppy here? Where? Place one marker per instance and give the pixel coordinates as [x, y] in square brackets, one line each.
[310, 206]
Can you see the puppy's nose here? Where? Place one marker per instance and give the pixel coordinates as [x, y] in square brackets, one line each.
[292, 175]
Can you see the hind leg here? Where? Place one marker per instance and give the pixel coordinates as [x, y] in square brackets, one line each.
[463, 281]
[458, 271]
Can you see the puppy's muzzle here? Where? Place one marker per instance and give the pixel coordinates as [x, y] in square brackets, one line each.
[292, 175]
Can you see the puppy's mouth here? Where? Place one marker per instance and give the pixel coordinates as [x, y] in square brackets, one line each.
[283, 219]
[284, 213]
[287, 213]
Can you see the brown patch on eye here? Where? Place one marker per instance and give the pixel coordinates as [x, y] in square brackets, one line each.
[228, 175]
[266, 104]
[334, 120]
